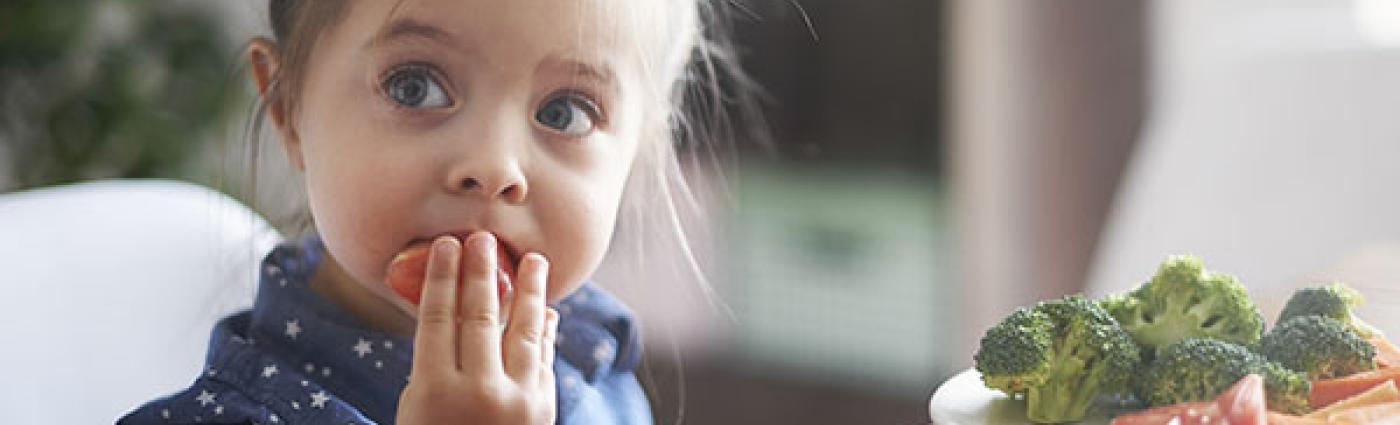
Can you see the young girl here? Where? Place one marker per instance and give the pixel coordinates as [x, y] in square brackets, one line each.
[467, 124]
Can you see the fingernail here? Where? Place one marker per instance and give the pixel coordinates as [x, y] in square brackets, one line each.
[485, 243]
[445, 246]
[532, 261]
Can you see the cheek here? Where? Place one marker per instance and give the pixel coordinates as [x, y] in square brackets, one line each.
[362, 216]
[362, 183]
[577, 224]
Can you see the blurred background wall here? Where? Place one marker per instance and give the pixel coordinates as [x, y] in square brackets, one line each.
[933, 164]
[1047, 101]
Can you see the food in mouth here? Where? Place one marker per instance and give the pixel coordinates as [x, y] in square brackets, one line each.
[409, 268]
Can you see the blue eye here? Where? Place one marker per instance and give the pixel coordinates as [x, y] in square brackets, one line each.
[415, 87]
[568, 114]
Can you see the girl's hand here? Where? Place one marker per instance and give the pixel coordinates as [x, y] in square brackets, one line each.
[464, 370]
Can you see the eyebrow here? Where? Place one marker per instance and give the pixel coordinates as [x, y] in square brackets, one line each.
[408, 27]
[599, 74]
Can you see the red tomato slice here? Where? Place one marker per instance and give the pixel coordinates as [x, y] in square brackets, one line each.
[1242, 404]
[408, 269]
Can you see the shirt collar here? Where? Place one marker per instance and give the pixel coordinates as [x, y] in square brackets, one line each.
[597, 333]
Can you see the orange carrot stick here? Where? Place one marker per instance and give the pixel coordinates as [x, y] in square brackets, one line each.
[1328, 391]
[1374, 389]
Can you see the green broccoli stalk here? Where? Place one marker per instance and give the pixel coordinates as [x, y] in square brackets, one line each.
[1059, 356]
[1336, 301]
[1186, 301]
[1320, 347]
[1197, 369]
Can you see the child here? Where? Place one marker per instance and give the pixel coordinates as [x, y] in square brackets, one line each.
[468, 124]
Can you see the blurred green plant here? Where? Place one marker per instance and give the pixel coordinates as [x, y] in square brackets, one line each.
[107, 89]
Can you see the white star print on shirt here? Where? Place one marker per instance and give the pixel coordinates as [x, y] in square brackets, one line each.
[319, 399]
[205, 398]
[274, 271]
[293, 328]
[269, 370]
[603, 352]
[362, 348]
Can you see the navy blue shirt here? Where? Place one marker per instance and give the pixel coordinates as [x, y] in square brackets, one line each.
[297, 358]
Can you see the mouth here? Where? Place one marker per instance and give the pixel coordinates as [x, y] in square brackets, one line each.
[507, 261]
[407, 270]
[507, 254]
[506, 258]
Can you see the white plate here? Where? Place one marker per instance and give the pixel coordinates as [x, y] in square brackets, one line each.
[963, 400]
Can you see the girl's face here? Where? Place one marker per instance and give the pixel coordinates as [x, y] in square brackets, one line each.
[427, 117]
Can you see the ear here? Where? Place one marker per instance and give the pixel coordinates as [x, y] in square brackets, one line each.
[265, 64]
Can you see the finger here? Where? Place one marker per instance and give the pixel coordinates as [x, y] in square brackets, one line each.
[525, 332]
[505, 291]
[434, 342]
[551, 335]
[479, 334]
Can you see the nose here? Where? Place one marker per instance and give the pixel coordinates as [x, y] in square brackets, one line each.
[510, 192]
[494, 176]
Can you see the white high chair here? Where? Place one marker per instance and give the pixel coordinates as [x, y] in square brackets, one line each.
[111, 288]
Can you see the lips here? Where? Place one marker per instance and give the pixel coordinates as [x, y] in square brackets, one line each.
[408, 269]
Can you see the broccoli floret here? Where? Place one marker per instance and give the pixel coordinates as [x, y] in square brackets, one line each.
[1336, 301]
[1320, 347]
[1015, 353]
[1197, 369]
[1193, 369]
[1287, 389]
[1183, 300]
[1059, 356]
